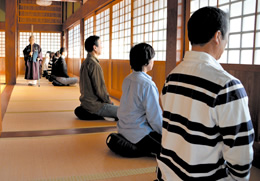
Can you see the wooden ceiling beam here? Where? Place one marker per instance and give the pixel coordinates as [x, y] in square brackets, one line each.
[68, 0]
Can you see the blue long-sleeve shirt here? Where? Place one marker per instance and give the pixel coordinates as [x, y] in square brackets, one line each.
[139, 112]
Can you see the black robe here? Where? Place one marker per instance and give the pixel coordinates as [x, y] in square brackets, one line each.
[60, 68]
[32, 67]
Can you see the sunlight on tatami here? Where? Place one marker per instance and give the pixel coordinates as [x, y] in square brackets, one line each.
[83, 156]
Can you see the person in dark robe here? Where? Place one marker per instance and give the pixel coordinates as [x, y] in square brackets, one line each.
[61, 77]
[32, 57]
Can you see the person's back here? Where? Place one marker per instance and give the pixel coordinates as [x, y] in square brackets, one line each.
[89, 99]
[60, 68]
[139, 112]
[140, 115]
[55, 58]
[94, 99]
[60, 74]
[207, 129]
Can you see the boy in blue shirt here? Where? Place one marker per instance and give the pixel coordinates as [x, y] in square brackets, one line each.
[139, 113]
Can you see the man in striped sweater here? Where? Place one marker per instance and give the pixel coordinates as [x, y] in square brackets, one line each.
[207, 130]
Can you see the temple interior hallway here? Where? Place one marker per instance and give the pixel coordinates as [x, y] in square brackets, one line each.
[43, 140]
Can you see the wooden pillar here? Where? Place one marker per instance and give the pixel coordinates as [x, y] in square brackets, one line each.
[1, 117]
[172, 10]
[186, 19]
[82, 44]
[109, 83]
[66, 41]
[11, 41]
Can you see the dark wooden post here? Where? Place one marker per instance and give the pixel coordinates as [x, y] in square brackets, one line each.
[11, 37]
[172, 10]
[82, 41]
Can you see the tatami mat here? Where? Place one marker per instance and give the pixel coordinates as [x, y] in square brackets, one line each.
[139, 174]
[42, 105]
[44, 108]
[47, 121]
[22, 92]
[70, 156]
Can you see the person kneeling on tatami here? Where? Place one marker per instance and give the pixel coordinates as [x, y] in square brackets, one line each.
[140, 115]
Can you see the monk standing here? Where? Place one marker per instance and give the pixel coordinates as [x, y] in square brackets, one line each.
[32, 57]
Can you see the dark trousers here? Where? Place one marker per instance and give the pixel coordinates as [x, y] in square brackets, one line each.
[150, 144]
[83, 114]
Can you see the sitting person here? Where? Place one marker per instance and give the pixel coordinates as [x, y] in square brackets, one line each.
[140, 115]
[61, 77]
[51, 67]
[95, 101]
[45, 64]
[207, 129]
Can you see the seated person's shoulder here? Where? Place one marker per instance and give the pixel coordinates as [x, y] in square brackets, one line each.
[139, 81]
[218, 76]
[91, 64]
[145, 81]
[88, 60]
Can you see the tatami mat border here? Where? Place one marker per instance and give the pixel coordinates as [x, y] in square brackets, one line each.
[17, 112]
[40, 100]
[105, 175]
[21, 134]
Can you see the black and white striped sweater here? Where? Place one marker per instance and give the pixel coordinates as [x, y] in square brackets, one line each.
[207, 129]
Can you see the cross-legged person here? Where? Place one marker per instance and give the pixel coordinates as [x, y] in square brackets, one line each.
[60, 76]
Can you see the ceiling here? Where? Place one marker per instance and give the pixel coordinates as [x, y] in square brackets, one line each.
[65, 0]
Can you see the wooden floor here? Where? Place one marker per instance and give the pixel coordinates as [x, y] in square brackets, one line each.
[43, 140]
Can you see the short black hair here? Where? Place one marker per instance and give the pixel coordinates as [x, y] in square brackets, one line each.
[62, 49]
[90, 42]
[204, 23]
[140, 55]
[52, 54]
[57, 54]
